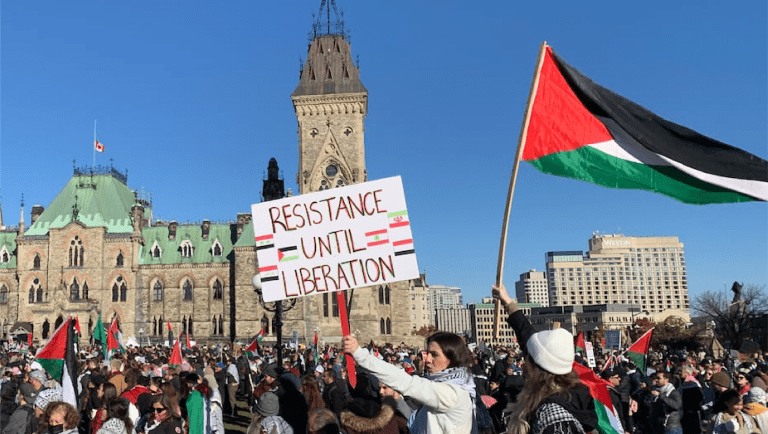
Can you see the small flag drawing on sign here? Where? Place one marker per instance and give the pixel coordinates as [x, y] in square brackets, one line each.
[398, 219]
[403, 247]
[285, 254]
[265, 242]
[376, 238]
[269, 273]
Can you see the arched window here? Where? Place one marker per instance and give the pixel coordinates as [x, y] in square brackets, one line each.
[335, 305]
[123, 291]
[186, 249]
[218, 290]
[381, 294]
[31, 294]
[85, 291]
[156, 251]
[76, 252]
[39, 294]
[386, 294]
[216, 249]
[58, 322]
[160, 325]
[221, 325]
[157, 292]
[325, 304]
[74, 291]
[36, 262]
[382, 327]
[4, 257]
[154, 326]
[115, 292]
[389, 326]
[119, 261]
[187, 290]
[184, 324]
[3, 294]
[46, 328]
[190, 329]
[213, 326]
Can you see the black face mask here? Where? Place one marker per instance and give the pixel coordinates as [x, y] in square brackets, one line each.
[56, 429]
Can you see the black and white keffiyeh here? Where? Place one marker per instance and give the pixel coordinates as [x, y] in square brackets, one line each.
[418, 422]
[550, 414]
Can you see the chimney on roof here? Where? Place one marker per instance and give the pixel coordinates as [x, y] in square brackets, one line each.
[172, 229]
[37, 210]
[243, 219]
[206, 228]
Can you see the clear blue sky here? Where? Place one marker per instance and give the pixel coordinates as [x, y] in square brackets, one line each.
[193, 98]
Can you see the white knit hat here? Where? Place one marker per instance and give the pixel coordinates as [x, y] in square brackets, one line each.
[552, 350]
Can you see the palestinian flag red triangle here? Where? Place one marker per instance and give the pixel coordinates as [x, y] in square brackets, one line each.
[579, 129]
[59, 359]
[639, 350]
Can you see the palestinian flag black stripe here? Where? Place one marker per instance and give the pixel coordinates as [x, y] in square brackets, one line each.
[582, 130]
[405, 252]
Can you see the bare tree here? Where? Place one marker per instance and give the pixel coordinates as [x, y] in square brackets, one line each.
[734, 321]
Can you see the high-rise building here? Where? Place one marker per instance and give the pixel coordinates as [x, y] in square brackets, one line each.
[481, 315]
[532, 288]
[453, 320]
[444, 297]
[648, 272]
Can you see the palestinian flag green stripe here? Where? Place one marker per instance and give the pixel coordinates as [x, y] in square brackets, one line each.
[54, 367]
[639, 359]
[607, 423]
[592, 165]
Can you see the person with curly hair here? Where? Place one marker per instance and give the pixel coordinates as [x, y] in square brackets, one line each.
[59, 418]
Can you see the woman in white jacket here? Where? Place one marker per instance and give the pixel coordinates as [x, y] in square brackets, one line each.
[446, 393]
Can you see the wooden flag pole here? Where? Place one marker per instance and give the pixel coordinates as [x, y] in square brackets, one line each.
[512, 181]
[344, 318]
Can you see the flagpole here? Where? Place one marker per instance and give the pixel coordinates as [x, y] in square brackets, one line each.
[512, 182]
[94, 143]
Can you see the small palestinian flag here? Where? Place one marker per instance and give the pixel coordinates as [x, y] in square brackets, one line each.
[253, 348]
[579, 344]
[376, 238]
[264, 242]
[59, 359]
[269, 273]
[114, 338]
[638, 351]
[607, 415]
[398, 219]
[100, 335]
[581, 130]
[175, 360]
[289, 253]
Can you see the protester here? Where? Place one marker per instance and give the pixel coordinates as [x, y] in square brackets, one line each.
[105, 393]
[165, 417]
[322, 421]
[266, 418]
[732, 420]
[446, 394]
[60, 418]
[118, 421]
[553, 398]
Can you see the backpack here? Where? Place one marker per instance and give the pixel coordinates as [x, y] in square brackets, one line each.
[483, 424]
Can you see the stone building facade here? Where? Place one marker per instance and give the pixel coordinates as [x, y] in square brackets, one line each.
[97, 251]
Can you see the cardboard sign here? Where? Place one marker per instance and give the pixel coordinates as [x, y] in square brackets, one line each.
[334, 239]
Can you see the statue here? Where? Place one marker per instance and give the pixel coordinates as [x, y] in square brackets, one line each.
[736, 288]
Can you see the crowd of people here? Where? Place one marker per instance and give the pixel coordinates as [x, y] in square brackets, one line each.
[446, 387]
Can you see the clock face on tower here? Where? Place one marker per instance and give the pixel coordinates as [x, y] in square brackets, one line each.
[331, 170]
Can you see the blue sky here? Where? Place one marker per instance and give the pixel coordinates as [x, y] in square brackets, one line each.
[193, 98]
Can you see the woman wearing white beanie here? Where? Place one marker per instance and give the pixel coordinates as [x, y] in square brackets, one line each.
[553, 400]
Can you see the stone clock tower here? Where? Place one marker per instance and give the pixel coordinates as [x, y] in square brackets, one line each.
[331, 104]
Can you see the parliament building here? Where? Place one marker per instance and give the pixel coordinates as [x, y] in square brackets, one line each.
[97, 251]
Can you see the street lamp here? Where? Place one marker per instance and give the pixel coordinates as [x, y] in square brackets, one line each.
[277, 307]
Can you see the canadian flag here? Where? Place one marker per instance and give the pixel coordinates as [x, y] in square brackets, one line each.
[98, 146]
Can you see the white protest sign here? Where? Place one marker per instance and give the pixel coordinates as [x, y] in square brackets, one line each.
[590, 354]
[334, 239]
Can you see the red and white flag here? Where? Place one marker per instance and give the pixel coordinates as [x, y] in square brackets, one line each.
[98, 146]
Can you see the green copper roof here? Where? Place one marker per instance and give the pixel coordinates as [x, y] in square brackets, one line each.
[8, 241]
[102, 200]
[171, 250]
[247, 238]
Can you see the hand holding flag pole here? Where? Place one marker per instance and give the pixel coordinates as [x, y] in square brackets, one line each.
[345, 332]
[510, 192]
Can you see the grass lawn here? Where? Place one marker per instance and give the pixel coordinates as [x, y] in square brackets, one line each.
[240, 422]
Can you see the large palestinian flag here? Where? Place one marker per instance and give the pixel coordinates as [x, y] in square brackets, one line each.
[579, 129]
[59, 359]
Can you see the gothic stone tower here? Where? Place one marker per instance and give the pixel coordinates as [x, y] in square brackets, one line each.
[331, 104]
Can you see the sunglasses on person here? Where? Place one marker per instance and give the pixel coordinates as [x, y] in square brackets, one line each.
[158, 409]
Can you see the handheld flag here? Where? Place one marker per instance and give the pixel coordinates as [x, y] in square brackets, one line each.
[579, 129]
[607, 415]
[188, 344]
[59, 359]
[253, 348]
[317, 351]
[100, 335]
[170, 334]
[114, 338]
[579, 344]
[99, 147]
[639, 350]
[175, 360]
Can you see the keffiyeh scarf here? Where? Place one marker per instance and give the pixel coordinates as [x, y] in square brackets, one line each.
[418, 423]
